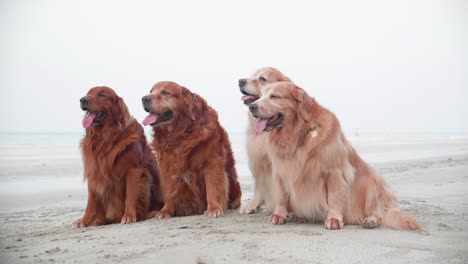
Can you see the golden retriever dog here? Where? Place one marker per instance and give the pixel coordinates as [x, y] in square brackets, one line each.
[316, 171]
[194, 154]
[259, 162]
[119, 166]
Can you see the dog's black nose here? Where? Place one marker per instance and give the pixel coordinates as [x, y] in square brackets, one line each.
[242, 82]
[253, 108]
[146, 99]
[84, 100]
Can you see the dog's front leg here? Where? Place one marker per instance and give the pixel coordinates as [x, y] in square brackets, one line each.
[90, 211]
[256, 202]
[216, 181]
[169, 196]
[337, 197]
[281, 200]
[133, 178]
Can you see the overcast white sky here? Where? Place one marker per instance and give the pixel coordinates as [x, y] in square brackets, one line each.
[381, 66]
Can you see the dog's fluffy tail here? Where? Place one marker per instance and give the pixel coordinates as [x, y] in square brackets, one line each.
[397, 219]
[381, 201]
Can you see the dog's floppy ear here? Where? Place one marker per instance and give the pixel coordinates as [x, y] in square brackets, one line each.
[191, 101]
[304, 103]
[121, 112]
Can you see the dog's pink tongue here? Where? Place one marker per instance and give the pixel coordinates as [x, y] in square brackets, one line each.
[247, 97]
[150, 119]
[88, 119]
[261, 125]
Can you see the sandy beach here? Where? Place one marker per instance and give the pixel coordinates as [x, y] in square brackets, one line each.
[42, 192]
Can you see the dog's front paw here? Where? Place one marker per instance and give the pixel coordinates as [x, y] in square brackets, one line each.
[78, 223]
[128, 219]
[264, 209]
[370, 222]
[215, 212]
[276, 219]
[246, 209]
[163, 214]
[333, 224]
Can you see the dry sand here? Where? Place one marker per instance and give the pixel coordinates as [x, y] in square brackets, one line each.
[36, 228]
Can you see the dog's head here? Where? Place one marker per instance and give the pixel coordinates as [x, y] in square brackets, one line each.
[280, 104]
[168, 102]
[103, 105]
[252, 86]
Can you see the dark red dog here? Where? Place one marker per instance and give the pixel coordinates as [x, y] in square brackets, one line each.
[122, 174]
[193, 152]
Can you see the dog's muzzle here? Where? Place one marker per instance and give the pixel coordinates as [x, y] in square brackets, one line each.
[146, 100]
[84, 102]
[254, 109]
[242, 83]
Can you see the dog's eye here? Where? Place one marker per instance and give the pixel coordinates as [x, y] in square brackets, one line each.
[274, 96]
[164, 92]
[102, 95]
[262, 79]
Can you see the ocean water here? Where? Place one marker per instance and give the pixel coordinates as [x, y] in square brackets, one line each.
[372, 147]
[40, 139]
[30, 148]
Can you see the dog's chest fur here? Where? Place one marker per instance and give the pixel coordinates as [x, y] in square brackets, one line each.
[304, 184]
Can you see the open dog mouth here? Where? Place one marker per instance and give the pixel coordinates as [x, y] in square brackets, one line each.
[155, 118]
[248, 98]
[267, 124]
[93, 118]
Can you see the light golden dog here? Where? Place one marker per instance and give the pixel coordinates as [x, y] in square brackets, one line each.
[315, 169]
[259, 163]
